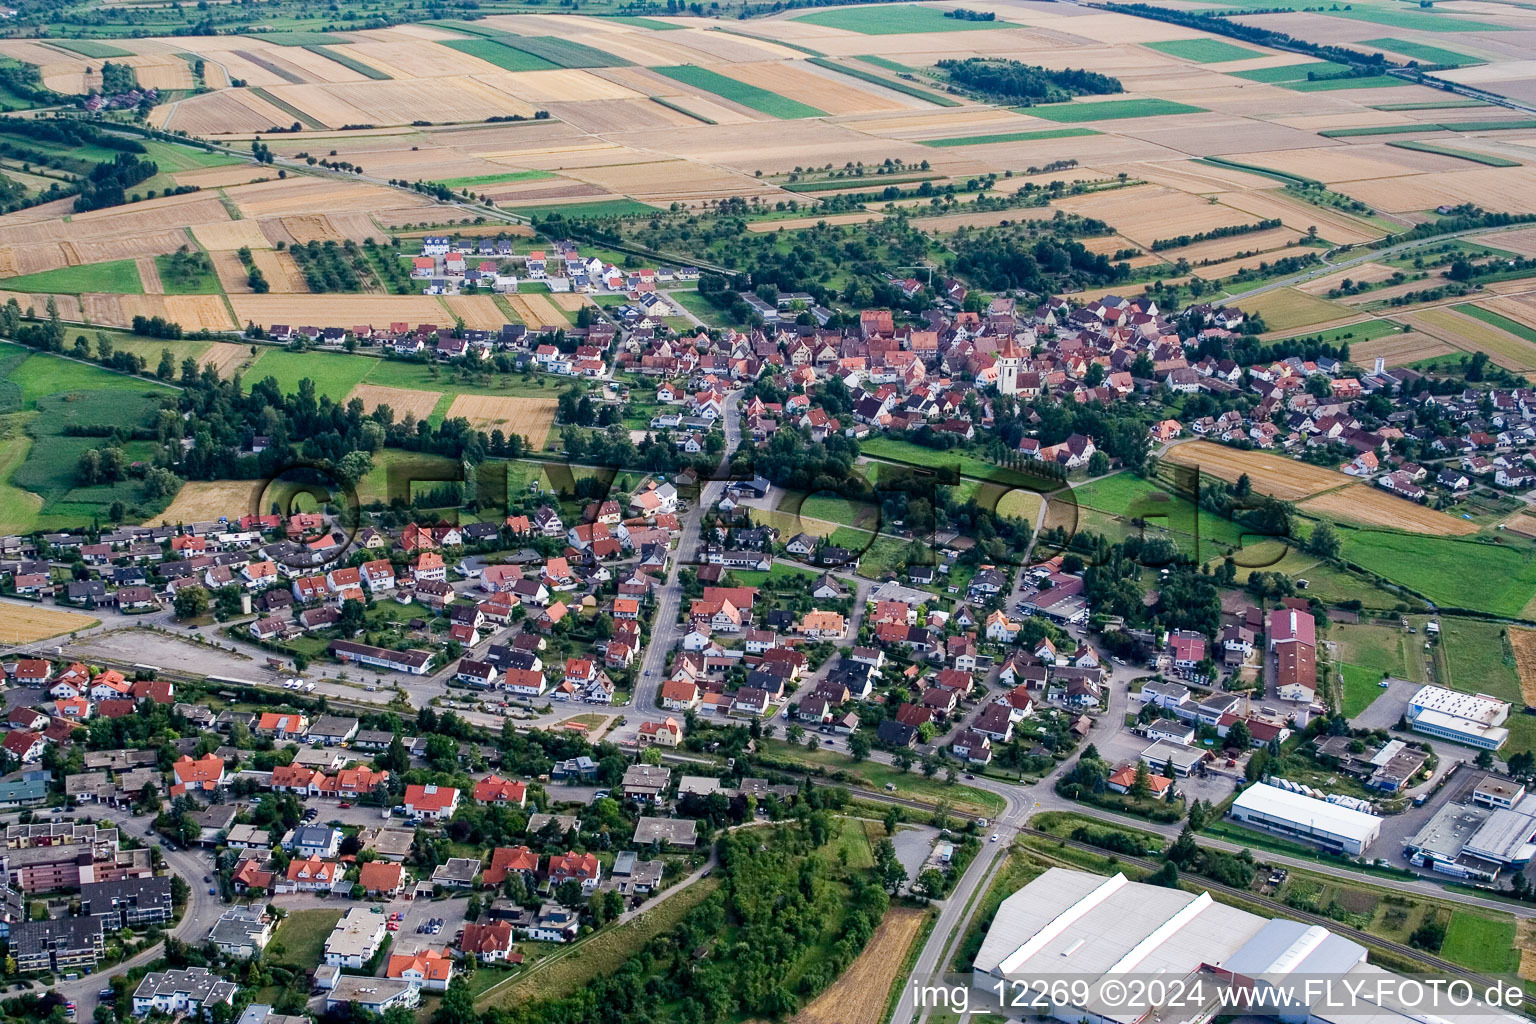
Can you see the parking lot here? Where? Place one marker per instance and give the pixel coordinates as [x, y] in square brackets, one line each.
[420, 911]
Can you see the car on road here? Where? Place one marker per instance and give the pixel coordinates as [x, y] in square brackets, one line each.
[212, 891]
[343, 805]
[105, 993]
[994, 837]
[207, 879]
[393, 926]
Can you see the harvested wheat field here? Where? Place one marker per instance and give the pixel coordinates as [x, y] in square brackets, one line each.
[477, 311]
[835, 95]
[1523, 643]
[230, 235]
[1522, 523]
[400, 400]
[227, 358]
[1278, 477]
[1472, 335]
[232, 275]
[193, 312]
[1398, 349]
[342, 310]
[536, 310]
[570, 301]
[217, 177]
[23, 624]
[149, 275]
[222, 113]
[1144, 213]
[200, 501]
[1366, 503]
[312, 227]
[859, 996]
[530, 417]
[282, 274]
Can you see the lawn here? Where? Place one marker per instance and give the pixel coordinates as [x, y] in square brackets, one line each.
[333, 374]
[500, 54]
[598, 209]
[120, 277]
[1478, 659]
[762, 100]
[913, 785]
[1482, 943]
[1382, 650]
[1498, 320]
[1423, 52]
[1109, 110]
[896, 20]
[41, 374]
[1339, 84]
[1497, 578]
[300, 939]
[1204, 51]
[476, 181]
[984, 140]
[1291, 72]
[1361, 687]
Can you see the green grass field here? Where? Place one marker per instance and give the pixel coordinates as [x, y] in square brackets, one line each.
[1204, 51]
[1478, 658]
[984, 140]
[500, 54]
[206, 283]
[1495, 578]
[120, 277]
[1422, 52]
[1361, 687]
[301, 937]
[1498, 320]
[1198, 532]
[761, 100]
[333, 374]
[883, 62]
[476, 181]
[1109, 110]
[1341, 84]
[597, 209]
[42, 374]
[1460, 154]
[1291, 72]
[1366, 330]
[1383, 129]
[1430, 105]
[1415, 21]
[90, 48]
[303, 38]
[1481, 943]
[896, 20]
[895, 450]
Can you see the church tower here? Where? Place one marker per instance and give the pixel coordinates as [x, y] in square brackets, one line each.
[1009, 358]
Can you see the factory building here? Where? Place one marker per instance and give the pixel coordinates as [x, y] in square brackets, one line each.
[1297, 816]
[1476, 720]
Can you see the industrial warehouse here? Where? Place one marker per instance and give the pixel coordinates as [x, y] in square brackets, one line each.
[1476, 720]
[1090, 928]
[1332, 826]
[1492, 832]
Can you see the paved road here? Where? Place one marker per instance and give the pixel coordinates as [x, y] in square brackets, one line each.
[666, 631]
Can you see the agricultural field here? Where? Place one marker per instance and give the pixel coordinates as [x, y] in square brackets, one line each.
[1270, 474]
[1499, 578]
[201, 501]
[23, 624]
[530, 417]
[1369, 505]
[859, 996]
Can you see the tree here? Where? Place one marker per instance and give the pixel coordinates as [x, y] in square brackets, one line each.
[892, 819]
[458, 1005]
[1166, 876]
[1325, 541]
[1485, 759]
[1238, 735]
[650, 755]
[568, 893]
[1141, 785]
[191, 603]
[859, 746]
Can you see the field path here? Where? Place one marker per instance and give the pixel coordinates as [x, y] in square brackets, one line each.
[149, 275]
